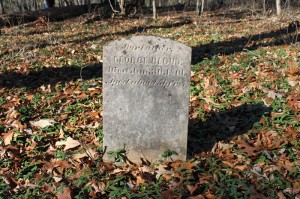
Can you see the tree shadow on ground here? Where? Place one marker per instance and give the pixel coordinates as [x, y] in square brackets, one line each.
[52, 76]
[282, 36]
[134, 30]
[131, 31]
[49, 76]
[234, 14]
[223, 126]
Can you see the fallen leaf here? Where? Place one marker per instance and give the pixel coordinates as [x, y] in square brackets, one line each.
[77, 156]
[89, 152]
[192, 189]
[65, 194]
[197, 197]
[169, 194]
[274, 95]
[70, 143]
[242, 167]
[57, 179]
[7, 137]
[231, 165]
[162, 172]
[293, 82]
[211, 86]
[8, 179]
[281, 195]
[208, 194]
[42, 123]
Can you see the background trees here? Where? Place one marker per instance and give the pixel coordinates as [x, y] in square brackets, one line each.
[13, 6]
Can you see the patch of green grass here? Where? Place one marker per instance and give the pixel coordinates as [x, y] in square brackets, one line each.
[150, 190]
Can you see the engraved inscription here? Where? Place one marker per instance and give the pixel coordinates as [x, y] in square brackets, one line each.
[150, 71]
[148, 48]
[163, 83]
[147, 60]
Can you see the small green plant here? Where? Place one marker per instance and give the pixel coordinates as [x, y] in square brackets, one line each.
[2, 100]
[4, 188]
[168, 154]
[60, 154]
[118, 187]
[118, 155]
[150, 190]
[26, 112]
[194, 90]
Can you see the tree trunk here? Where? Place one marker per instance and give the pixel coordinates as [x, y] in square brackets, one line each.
[288, 2]
[264, 7]
[154, 9]
[122, 7]
[2, 7]
[88, 3]
[188, 2]
[202, 7]
[278, 7]
[199, 7]
[160, 3]
[67, 3]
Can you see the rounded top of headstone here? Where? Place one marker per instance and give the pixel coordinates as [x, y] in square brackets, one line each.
[150, 43]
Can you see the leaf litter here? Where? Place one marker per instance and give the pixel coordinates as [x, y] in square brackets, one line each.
[244, 111]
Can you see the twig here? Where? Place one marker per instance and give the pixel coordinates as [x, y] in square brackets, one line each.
[112, 7]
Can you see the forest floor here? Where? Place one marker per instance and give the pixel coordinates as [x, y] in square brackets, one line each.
[244, 124]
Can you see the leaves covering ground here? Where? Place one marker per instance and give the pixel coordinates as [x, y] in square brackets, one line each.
[244, 110]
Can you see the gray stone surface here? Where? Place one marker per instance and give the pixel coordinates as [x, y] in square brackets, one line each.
[146, 83]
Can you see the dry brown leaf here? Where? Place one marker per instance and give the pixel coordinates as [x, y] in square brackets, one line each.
[211, 86]
[281, 195]
[177, 164]
[69, 142]
[89, 152]
[197, 197]
[231, 165]
[192, 189]
[140, 180]
[107, 166]
[57, 179]
[42, 123]
[17, 124]
[274, 95]
[64, 116]
[32, 146]
[169, 194]
[294, 102]
[8, 179]
[7, 137]
[189, 165]
[293, 81]
[77, 156]
[163, 172]
[251, 150]
[287, 164]
[208, 194]
[242, 167]
[204, 179]
[61, 163]
[61, 133]
[12, 113]
[65, 194]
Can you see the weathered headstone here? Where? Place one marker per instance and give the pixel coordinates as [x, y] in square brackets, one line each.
[146, 83]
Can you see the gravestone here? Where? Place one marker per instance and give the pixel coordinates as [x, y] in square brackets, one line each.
[146, 83]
